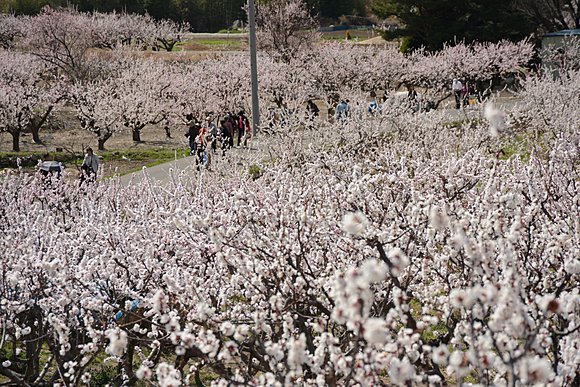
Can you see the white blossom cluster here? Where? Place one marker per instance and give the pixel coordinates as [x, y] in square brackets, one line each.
[415, 257]
[392, 250]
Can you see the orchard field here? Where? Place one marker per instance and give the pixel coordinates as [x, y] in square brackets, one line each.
[404, 247]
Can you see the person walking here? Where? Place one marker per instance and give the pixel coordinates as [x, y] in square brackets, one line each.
[342, 109]
[90, 166]
[244, 129]
[212, 133]
[224, 136]
[457, 88]
[192, 132]
[200, 148]
[465, 94]
[230, 128]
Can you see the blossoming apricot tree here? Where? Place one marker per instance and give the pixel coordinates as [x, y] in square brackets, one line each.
[28, 93]
[407, 253]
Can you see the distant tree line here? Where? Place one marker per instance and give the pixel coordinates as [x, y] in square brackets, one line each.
[202, 15]
[424, 23]
[432, 23]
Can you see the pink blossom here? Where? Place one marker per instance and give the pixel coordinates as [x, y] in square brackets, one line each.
[401, 371]
[117, 342]
[355, 223]
[375, 331]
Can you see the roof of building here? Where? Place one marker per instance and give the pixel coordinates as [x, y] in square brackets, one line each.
[563, 33]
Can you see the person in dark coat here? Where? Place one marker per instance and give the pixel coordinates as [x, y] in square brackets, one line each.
[312, 109]
[230, 128]
[192, 132]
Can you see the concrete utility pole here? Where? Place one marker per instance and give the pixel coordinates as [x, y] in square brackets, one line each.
[254, 67]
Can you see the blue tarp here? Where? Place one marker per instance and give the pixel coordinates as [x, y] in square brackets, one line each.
[120, 314]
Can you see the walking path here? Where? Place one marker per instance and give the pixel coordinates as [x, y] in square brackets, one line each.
[161, 174]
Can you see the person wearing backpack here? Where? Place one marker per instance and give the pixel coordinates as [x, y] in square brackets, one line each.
[192, 132]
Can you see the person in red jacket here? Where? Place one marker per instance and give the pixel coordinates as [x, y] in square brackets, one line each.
[243, 126]
[200, 146]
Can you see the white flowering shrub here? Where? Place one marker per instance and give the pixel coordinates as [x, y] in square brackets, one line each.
[392, 250]
[415, 256]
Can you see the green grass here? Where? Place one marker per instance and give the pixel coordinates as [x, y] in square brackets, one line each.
[416, 308]
[178, 47]
[524, 144]
[29, 159]
[229, 31]
[145, 157]
[216, 42]
[103, 375]
[430, 334]
[433, 333]
[333, 37]
[157, 154]
[255, 171]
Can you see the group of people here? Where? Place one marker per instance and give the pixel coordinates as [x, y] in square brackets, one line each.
[205, 136]
[409, 100]
[464, 91]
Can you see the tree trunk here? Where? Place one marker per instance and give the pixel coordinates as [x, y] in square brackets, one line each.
[35, 136]
[15, 139]
[102, 141]
[166, 44]
[170, 46]
[136, 134]
[33, 345]
[36, 125]
[127, 362]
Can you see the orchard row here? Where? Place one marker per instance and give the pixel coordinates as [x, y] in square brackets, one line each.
[93, 63]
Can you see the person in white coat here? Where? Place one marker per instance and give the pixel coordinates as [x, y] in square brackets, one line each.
[457, 88]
